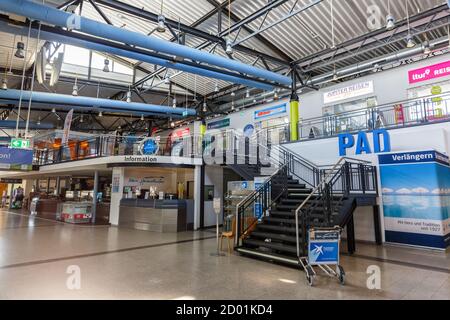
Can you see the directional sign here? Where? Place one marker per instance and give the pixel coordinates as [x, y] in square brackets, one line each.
[20, 143]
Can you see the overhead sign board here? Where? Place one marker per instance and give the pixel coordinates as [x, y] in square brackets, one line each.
[269, 112]
[429, 73]
[15, 159]
[219, 124]
[349, 92]
[20, 143]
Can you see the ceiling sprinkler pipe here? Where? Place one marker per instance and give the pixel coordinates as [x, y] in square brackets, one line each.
[44, 35]
[75, 101]
[63, 19]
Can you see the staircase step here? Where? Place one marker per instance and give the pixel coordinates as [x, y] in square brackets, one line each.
[281, 207]
[273, 236]
[278, 229]
[270, 245]
[269, 256]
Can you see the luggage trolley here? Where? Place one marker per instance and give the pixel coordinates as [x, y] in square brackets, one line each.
[323, 251]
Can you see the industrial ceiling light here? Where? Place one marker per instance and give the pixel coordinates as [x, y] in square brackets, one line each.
[161, 24]
[100, 114]
[216, 88]
[142, 117]
[167, 79]
[81, 119]
[233, 94]
[129, 96]
[174, 102]
[275, 94]
[75, 89]
[5, 84]
[106, 67]
[410, 43]
[172, 124]
[390, 20]
[205, 107]
[247, 93]
[232, 106]
[20, 51]
[426, 48]
[335, 75]
[38, 121]
[53, 110]
[229, 47]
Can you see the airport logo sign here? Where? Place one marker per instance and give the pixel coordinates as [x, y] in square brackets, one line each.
[349, 92]
[362, 145]
[429, 73]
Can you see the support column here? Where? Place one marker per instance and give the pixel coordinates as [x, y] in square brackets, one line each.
[58, 186]
[118, 178]
[377, 225]
[294, 116]
[197, 200]
[351, 236]
[94, 198]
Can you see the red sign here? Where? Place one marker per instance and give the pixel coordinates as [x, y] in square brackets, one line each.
[428, 73]
[181, 133]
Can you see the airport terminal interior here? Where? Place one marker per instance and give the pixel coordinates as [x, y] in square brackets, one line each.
[225, 149]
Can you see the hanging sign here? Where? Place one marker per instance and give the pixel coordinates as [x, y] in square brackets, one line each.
[15, 159]
[149, 146]
[219, 124]
[428, 73]
[349, 92]
[269, 112]
[181, 133]
[20, 143]
[67, 124]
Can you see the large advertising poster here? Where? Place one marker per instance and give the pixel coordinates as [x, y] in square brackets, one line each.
[416, 198]
[15, 159]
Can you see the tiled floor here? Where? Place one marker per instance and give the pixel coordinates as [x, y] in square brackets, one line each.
[120, 263]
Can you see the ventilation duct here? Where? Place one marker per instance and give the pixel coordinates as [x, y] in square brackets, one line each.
[68, 100]
[54, 37]
[63, 19]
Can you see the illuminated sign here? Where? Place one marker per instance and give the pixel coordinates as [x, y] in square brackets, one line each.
[269, 112]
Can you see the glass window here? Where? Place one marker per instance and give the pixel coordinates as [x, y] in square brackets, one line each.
[120, 68]
[98, 61]
[76, 56]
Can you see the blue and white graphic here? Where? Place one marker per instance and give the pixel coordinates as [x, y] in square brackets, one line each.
[149, 147]
[323, 252]
[15, 159]
[416, 198]
[248, 130]
[269, 112]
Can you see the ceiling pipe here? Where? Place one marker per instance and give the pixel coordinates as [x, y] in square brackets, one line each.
[75, 101]
[11, 124]
[371, 64]
[359, 68]
[110, 49]
[82, 109]
[63, 19]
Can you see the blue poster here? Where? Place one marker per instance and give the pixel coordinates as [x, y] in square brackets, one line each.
[269, 112]
[416, 198]
[16, 159]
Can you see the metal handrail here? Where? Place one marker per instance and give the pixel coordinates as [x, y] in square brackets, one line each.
[323, 182]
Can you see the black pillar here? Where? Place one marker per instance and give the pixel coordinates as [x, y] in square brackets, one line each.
[351, 236]
[377, 225]
[202, 197]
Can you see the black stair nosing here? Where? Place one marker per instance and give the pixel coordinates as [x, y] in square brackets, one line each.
[270, 245]
[255, 253]
[275, 236]
[276, 228]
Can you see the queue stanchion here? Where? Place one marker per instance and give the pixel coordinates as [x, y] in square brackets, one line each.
[217, 209]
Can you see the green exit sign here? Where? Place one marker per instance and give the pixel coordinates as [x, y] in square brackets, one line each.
[20, 143]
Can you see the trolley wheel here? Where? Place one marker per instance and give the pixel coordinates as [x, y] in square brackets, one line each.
[309, 276]
[341, 274]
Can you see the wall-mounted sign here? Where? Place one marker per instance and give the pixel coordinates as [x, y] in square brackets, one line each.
[149, 146]
[248, 130]
[15, 159]
[145, 181]
[269, 112]
[428, 73]
[10, 180]
[181, 133]
[362, 144]
[349, 92]
[219, 124]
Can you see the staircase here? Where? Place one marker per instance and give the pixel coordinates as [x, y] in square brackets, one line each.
[324, 198]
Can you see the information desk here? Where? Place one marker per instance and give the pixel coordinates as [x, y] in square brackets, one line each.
[154, 215]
